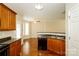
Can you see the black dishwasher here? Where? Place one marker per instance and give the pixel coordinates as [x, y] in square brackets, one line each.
[42, 43]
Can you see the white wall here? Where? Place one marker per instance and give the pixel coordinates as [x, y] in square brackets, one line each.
[19, 24]
[48, 26]
[7, 33]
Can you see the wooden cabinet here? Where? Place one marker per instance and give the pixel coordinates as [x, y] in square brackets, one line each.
[15, 48]
[18, 47]
[7, 18]
[56, 45]
[12, 51]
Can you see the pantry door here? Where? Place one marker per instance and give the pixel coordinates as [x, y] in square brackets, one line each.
[73, 41]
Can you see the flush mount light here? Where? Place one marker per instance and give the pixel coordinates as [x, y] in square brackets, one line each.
[38, 6]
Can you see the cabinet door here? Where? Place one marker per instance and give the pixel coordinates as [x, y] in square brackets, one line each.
[18, 47]
[7, 18]
[0, 16]
[18, 50]
[12, 51]
[57, 46]
[13, 21]
[15, 48]
[62, 47]
[49, 44]
[4, 18]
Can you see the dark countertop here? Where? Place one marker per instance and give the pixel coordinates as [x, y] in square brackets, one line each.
[51, 34]
[56, 35]
[10, 41]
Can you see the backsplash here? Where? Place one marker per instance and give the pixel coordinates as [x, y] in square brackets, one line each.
[7, 33]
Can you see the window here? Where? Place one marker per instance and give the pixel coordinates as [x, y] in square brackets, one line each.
[26, 28]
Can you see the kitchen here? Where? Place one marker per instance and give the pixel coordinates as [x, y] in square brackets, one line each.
[32, 35]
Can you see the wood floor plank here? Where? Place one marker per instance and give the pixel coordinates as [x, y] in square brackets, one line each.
[33, 49]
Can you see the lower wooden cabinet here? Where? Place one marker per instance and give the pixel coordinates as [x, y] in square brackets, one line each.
[15, 48]
[12, 51]
[56, 45]
[18, 47]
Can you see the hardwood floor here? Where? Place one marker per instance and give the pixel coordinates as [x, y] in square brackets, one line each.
[46, 53]
[30, 48]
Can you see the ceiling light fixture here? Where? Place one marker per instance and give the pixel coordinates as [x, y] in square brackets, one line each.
[36, 22]
[38, 6]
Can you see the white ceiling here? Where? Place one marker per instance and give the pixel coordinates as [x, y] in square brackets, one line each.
[51, 11]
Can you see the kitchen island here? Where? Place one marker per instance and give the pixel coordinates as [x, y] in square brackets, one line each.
[54, 41]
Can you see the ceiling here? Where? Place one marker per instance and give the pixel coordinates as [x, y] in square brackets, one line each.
[50, 11]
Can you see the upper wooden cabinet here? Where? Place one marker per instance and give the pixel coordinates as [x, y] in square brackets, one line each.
[7, 18]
